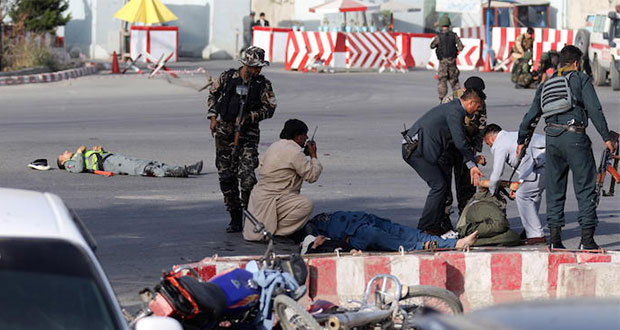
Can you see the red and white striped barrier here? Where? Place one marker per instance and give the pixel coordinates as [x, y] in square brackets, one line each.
[357, 50]
[421, 48]
[468, 59]
[303, 49]
[272, 40]
[504, 38]
[372, 50]
[154, 40]
[48, 77]
[480, 278]
[474, 32]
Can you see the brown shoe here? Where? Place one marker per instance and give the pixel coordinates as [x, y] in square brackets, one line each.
[535, 241]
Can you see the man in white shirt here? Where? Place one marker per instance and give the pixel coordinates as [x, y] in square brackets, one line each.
[276, 200]
[530, 175]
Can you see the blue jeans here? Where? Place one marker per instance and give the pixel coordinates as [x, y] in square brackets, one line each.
[383, 235]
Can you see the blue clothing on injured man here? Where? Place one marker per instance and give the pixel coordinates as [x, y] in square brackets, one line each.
[366, 232]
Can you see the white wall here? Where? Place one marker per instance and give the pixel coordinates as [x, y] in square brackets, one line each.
[226, 28]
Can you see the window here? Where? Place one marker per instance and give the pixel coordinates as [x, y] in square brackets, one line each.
[53, 285]
[599, 23]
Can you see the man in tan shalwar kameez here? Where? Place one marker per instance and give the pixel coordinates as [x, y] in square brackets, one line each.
[276, 200]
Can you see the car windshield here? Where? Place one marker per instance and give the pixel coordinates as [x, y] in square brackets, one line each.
[51, 284]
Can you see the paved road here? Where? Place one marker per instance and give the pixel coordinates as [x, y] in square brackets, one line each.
[145, 225]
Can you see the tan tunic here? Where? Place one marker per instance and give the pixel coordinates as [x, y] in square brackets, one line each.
[276, 199]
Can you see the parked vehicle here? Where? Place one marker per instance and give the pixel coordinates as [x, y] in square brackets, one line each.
[562, 314]
[600, 41]
[51, 278]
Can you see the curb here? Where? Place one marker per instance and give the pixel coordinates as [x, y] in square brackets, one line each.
[479, 278]
[48, 77]
[588, 279]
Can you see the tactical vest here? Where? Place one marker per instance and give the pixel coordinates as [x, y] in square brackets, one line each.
[527, 44]
[447, 45]
[93, 160]
[229, 103]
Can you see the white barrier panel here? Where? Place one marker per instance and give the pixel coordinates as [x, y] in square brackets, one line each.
[468, 59]
[504, 38]
[273, 41]
[154, 40]
[421, 50]
[474, 32]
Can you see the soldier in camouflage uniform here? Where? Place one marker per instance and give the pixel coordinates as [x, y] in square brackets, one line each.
[548, 62]
[522, 74]
[447, 45]
[452, 159]
[236, 164]
[523, 44]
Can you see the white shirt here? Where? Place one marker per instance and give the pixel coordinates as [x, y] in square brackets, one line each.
[505, 152]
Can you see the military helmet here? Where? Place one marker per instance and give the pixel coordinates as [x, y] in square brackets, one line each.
[254, 56]
[445, 21]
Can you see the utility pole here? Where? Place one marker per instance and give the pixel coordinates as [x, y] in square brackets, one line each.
[1, 33]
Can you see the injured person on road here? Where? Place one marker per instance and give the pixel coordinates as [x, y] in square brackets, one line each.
[367, 232]
[97, 159]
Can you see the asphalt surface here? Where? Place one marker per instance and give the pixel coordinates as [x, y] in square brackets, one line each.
[145, 225]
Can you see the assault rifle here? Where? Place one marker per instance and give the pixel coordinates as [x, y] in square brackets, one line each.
[243, 91]
[609, 163]
[528, 138]
[306, 150]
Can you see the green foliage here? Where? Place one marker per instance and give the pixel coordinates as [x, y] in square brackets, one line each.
[40, 16]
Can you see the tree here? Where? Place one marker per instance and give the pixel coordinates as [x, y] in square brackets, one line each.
[40, 16]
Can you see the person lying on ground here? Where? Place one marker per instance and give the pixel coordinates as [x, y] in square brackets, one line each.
[97, 159]
[368, 232]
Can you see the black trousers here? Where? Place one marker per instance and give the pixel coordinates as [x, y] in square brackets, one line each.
[437, 179]
[452, 161]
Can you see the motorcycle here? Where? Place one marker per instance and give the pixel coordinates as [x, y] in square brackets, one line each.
[235, 299]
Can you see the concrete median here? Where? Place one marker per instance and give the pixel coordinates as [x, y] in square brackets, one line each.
[480, 278]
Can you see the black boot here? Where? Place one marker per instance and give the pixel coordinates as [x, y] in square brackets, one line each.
[555, 240]
[176, 172]
[587, 239]
[235, 225]
[194, 169]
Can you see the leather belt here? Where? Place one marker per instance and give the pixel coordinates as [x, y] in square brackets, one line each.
[570, 128]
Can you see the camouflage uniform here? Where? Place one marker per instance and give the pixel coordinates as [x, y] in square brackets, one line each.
[452, 159]
[236, 164]
[447, 71]
[522, 72]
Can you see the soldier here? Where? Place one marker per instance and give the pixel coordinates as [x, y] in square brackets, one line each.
[447, 45]
[569, 147]
[548, 64]
[452, 158]
[236, 163]
[522, 74]
[97, 159]
[523, 44]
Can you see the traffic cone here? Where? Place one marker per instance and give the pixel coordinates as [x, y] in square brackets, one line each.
[487, 64]
[115, 67]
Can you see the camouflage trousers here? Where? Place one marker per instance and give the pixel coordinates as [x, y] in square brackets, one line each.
[236, 165]
[526, 80]
[447, 72]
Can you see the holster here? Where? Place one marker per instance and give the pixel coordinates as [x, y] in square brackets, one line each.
[410, 145]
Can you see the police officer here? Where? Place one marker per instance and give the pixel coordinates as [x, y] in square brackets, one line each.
[453, 159]
[236, 163]
[569, 147]
[427, 140]
[97, 159]
[447, 45]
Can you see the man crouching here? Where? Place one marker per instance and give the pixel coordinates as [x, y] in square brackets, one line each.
[275, 200]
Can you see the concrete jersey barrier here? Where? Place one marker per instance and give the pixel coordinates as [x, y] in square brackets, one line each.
[480, 278]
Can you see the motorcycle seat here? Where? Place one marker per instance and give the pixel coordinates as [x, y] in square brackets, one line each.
[209, 297]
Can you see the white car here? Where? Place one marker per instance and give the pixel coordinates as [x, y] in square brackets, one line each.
[50, 277]
[600, 41]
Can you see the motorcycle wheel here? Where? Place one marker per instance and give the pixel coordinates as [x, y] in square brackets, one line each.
[293, 316]
[437, 299]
